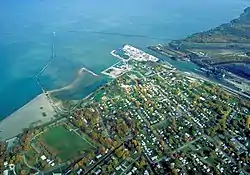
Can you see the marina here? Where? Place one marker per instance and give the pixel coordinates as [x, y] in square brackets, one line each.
[123, 66]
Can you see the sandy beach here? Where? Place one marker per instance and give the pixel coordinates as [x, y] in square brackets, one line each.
[29, 114]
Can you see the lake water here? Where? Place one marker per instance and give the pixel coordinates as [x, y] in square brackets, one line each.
[86, 32]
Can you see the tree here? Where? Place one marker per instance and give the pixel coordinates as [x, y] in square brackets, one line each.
[2, 148]
[223, 122]
[119, 152]
[84, 160]
[124, 127]
[162, 143]
[139, 149]
[213, 154]
[177, 162]
[102, 150]
[79, 123]
[174, 126]
[91, 154]
[174, 172]
[93, 135]
[76, 166]
[171, 140]
[115, 143]
[212, 131]
[137, 103]
[135, 142]
[23, 172]
[108, 142]
[101, 138]
[192, 129]
[151, 110]
[248, 122]
[109, 169]
[140, 164]
[125, 154]
[115, 162]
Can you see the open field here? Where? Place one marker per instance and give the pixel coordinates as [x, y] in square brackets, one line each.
[67, 144]
[98, 95]
[161, 125]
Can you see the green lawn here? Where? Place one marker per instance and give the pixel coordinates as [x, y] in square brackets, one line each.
[31, 156]
[160, 125]
[66, 143]
[135, 74]
[98, 95]
[211, 160]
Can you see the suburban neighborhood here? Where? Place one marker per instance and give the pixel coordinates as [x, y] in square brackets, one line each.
[149, 119]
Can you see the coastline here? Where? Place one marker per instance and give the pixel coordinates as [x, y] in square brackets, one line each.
[26, 116]
[31, 114]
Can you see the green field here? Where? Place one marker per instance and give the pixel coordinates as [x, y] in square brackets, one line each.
[31, 156]
[67, 144]
[98, 95]
[160, 125]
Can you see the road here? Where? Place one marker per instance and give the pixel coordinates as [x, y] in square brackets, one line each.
[223, 86]
[68, 170]
[107, 155]
[26, 163]
[130, 166]
[150, 163]
[180, 148]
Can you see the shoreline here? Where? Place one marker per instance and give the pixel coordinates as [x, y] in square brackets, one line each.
[31, 114]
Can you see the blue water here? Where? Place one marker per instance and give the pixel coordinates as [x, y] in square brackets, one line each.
[27, 25]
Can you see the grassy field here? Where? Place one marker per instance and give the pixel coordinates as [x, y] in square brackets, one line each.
[67, 144]
[160, 125]
[31, 157]
[135, 75]
[98, 95]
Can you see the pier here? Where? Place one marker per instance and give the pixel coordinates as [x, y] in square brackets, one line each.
[52, 58]
[87, 70]
[117, 56]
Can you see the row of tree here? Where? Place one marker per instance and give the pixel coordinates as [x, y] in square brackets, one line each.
[2, 155]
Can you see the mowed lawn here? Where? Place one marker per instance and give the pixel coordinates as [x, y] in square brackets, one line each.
[67, 144]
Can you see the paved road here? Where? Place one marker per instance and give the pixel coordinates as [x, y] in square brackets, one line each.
[130, 166]
[150, 163]
[225, 87]
[180, 148]
[107, 155]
